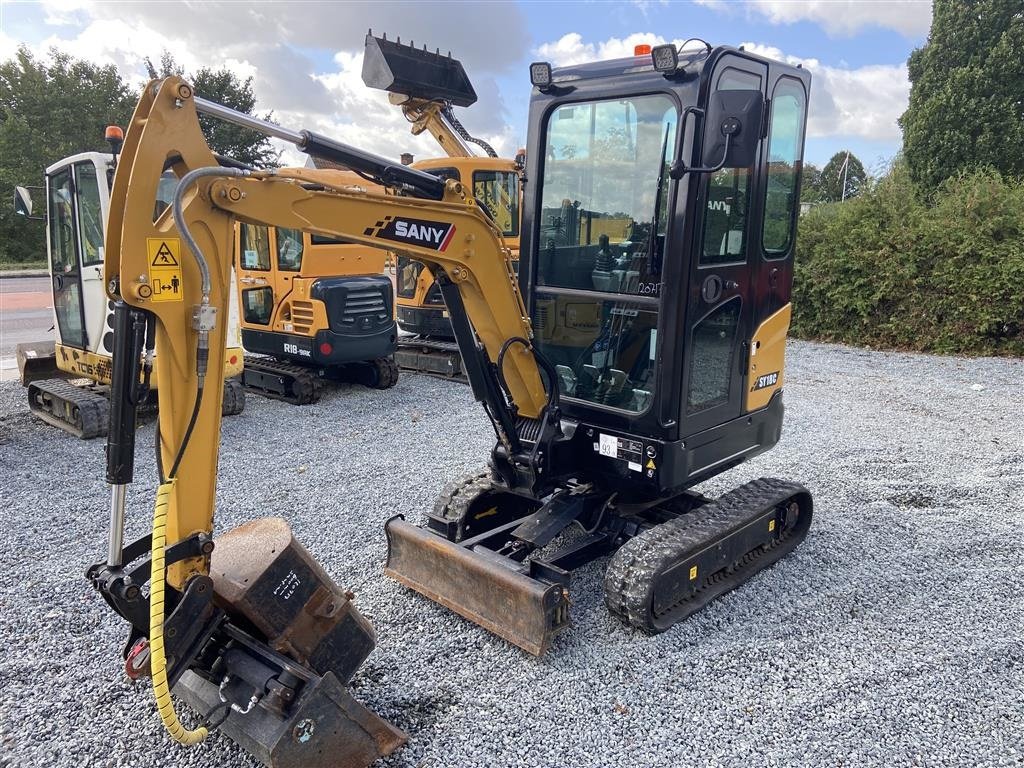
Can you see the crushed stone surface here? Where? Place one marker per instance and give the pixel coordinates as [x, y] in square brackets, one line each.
[893, 636]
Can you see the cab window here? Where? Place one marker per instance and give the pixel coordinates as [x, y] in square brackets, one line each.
[727, 194]
[785, 145]
[605, 175]
[90, 214]
[255, 247]
[407, 273]
[499, 191]
[289, 249]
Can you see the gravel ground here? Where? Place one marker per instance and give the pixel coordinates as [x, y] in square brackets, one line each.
[892, 636]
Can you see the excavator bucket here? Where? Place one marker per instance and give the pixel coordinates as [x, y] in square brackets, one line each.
[307, 624]
[419, 74]
[512, 604]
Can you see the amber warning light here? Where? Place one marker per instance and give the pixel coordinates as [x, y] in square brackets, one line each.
[113, 133]
[642, 50]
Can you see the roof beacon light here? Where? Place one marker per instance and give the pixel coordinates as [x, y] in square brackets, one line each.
[665, 58]
[642, 50]
[113, 133]
[540, 74]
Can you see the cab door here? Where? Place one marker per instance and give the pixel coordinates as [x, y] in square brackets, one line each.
[91, 213]
[725, 255]
[65, 270]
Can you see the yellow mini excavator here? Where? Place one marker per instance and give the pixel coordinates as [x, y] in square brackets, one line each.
[661, 213]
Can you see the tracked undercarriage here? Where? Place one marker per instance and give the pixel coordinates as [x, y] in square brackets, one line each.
[302, 385]
[83, 409]
[425, 354]
[505, 563]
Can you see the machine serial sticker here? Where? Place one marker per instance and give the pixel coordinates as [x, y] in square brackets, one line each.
[768, 380]
[434, 235]
[620, 448]
[165, 268]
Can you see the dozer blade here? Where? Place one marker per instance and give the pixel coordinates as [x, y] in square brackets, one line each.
[523, 610]
[419, 74]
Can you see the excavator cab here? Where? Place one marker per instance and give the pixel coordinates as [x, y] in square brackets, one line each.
[657, 264]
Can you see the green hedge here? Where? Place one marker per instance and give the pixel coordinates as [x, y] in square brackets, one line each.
[889, 269]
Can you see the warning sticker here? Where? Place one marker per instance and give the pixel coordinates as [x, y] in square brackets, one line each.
[165, 268]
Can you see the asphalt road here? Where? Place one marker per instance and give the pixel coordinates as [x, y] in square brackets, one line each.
[26, 314]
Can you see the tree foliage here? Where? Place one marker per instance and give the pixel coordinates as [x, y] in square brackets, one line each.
[810, 186]
[843, 169]
[48, 110]
[967, 92]
[224, 87]
[893, 270]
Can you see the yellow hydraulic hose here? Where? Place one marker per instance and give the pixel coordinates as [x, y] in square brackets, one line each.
[158, 662]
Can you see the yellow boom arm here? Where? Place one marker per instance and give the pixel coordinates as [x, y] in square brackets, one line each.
[150, 265]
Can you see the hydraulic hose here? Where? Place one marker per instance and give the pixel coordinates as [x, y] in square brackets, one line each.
[158, 660]
[178, 214]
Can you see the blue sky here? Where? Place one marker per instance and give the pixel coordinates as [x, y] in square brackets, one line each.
[305, 56]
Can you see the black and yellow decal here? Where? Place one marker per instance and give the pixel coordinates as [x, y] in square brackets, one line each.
[434, 235]
[767, 380]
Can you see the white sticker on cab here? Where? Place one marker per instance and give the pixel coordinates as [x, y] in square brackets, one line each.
[609, 446]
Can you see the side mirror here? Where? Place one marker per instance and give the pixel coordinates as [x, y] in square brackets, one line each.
[22, 202]
[732, 129]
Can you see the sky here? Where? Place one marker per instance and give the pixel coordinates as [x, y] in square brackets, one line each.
[305, 56]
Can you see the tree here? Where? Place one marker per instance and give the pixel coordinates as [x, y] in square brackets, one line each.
[48, 110]
[843, 169]
[810, 185]
[967, 92]
[224, 87]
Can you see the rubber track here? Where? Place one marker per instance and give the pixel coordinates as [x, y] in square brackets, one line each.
[234, 397]
[305, 384]
[456, 496]
[413, 349]
[633, 572]
[383, 373]
[93, 409]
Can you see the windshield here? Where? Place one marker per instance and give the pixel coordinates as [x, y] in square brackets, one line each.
[499, 191]
[605, 174]
[603, 217]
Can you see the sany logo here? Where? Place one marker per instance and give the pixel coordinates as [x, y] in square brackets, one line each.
[434, 235]
[419, 231]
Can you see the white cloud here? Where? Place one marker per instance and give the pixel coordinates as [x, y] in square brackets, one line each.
[571, 49]
[271, 41]
[864, 102]
[839, 18]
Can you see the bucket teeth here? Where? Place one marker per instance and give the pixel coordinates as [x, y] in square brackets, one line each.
[524, 611]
